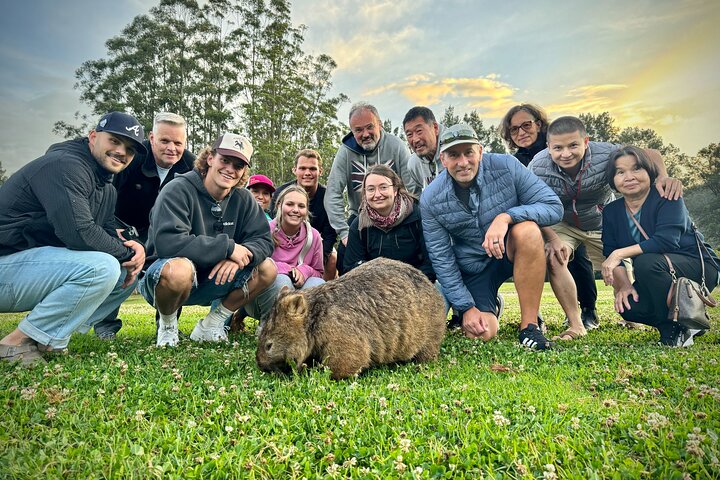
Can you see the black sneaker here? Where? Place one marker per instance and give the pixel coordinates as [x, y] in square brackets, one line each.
[589, 318]
[532, 337]
[541, 324]
[454, 322]
[681, 337]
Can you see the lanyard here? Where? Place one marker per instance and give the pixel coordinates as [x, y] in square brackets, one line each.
[576, 217]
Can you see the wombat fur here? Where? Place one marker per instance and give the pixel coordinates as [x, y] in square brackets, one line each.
[383, 311]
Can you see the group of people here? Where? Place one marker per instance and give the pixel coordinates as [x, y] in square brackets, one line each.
[94, 218]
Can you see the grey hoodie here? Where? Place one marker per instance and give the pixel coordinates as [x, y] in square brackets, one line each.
[348, 170]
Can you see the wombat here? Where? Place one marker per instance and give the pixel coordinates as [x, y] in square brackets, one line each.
[383, 311]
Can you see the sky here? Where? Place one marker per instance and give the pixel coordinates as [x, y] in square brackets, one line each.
[652, 64]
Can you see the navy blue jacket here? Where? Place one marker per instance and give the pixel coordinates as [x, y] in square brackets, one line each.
[666, 222]
[62, 199]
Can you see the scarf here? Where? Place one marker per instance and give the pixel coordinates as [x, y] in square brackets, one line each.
[402, 207]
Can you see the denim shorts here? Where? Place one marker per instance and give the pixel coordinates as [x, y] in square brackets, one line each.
[202, 293]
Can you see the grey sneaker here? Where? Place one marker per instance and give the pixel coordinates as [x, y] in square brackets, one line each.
[208, 333]
[168, 335]
[500, 306]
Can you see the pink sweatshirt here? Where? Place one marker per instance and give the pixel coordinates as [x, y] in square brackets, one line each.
[287, 251]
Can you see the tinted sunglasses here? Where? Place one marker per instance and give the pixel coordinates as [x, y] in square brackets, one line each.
[217, 212]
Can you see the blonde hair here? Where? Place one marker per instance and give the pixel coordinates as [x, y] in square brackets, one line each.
[201, 165]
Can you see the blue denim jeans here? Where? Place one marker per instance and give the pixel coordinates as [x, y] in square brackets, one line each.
[64, 290]
[202, 293]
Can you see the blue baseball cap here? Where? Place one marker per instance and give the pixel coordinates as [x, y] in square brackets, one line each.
[125, 125]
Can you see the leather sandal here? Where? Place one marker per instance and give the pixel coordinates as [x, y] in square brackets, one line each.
[27, 353]
[568, 333]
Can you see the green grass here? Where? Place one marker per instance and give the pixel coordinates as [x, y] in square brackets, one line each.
[611, 405]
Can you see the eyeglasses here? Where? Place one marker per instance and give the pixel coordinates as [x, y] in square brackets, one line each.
[217, 212]
[525, 126]
[383, 189]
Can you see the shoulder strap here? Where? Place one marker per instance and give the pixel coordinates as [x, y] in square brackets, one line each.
[308, 243]
[667, 259]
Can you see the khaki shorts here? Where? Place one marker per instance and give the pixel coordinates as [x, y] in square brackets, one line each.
[592, 239]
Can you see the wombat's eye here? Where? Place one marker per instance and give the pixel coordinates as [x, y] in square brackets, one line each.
[268, 346]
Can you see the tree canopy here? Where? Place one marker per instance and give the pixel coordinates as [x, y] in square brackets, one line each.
[235, 65]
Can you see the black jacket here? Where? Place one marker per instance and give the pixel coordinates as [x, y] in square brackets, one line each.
[138, 187]
[404, 242]
[62, 199]
[318, 216]
[527, 154]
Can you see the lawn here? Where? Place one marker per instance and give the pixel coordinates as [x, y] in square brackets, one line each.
[611, 405]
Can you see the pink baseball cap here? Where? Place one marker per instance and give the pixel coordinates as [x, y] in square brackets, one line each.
[261, 180]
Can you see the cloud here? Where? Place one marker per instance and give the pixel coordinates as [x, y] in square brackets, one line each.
[365, 51]
[487, 93]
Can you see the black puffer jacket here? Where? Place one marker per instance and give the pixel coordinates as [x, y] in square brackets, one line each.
[404, 242]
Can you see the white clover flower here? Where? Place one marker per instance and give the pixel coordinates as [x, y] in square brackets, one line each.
[500, 419]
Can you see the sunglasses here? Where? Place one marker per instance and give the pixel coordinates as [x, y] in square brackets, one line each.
[525, 126]
[462, 134]
[217, 212]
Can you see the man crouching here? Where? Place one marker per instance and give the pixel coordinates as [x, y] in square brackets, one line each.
[210, 241]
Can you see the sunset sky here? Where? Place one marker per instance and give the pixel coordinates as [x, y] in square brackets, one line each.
[653, 64]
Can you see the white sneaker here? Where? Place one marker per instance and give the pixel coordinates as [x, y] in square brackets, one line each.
[208, 333]
[167, 335]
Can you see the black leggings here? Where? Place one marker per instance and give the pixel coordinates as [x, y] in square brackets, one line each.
[652, 282]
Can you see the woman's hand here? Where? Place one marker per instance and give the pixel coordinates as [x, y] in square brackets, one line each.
[622, 298]
[297, 278]
[610, 264]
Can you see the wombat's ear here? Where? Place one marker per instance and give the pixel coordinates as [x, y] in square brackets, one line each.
[295, 305]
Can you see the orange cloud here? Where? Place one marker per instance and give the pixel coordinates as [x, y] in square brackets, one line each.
[488, 94]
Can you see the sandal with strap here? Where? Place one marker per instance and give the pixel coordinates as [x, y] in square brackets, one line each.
[569, 333]
[27, 353]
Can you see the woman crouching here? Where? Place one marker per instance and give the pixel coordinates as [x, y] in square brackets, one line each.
[643, 226]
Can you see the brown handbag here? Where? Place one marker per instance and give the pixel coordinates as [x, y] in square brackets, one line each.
[687, 299]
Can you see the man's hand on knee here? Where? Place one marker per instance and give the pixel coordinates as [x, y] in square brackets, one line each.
[473, 323]
[557, 252]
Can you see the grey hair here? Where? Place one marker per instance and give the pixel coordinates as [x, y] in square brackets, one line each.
[364, 106]
[168, 118]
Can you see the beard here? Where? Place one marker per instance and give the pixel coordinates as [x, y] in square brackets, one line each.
[369, 144]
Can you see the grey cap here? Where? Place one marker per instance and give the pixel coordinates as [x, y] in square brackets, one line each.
[460, 133]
